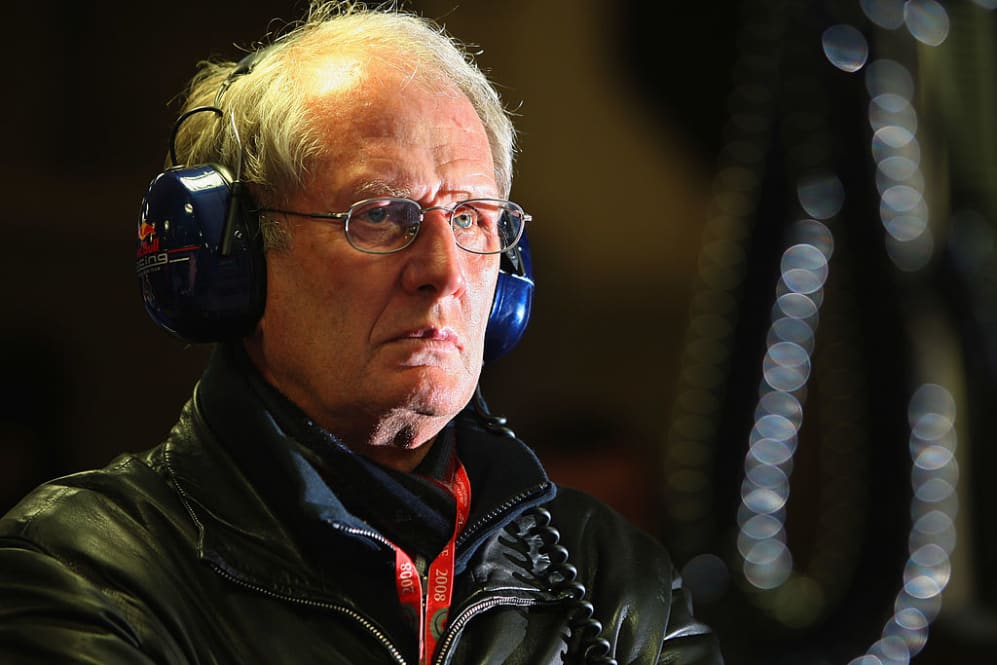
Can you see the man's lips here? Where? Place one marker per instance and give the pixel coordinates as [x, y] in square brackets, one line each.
[433, 335]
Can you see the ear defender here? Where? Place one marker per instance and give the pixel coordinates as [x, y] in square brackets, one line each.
[199, 258]
[513, 301]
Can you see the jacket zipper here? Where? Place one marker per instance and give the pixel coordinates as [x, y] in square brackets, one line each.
[470, 612]
[339, 609]
[470, 530]
[457, 625]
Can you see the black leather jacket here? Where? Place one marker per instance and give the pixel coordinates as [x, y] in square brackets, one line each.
[222, 546]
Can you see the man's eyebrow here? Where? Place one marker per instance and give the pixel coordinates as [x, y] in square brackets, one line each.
[373, 188]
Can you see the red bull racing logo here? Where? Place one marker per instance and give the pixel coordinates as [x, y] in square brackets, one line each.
[151, 253]
[147, 253]
[148, 241]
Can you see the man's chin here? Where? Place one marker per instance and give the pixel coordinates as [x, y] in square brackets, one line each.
[434, 392]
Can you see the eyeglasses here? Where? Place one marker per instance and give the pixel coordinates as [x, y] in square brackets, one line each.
[386, 225]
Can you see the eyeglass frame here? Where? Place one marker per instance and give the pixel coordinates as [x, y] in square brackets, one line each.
[345, 218]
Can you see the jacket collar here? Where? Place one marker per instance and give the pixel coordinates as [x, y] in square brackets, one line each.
[267, 518]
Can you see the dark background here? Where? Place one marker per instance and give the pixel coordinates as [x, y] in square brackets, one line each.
[626, 110]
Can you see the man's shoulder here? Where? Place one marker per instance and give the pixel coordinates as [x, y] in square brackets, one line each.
[589, 525]
[88, 560]
[99, 502]
[591, 511]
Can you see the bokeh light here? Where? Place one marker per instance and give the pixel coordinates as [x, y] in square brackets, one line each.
[845, 47]
[887, 14]
[927, 21]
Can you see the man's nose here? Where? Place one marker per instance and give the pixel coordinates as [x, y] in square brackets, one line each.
[435, 262]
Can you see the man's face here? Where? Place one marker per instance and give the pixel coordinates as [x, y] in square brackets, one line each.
[382, 348]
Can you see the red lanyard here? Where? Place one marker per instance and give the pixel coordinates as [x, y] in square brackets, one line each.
[440, 579]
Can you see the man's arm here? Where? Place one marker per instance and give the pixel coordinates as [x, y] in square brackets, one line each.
[50, 613]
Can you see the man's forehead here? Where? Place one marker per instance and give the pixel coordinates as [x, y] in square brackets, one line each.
[325, 71]
[331, 73]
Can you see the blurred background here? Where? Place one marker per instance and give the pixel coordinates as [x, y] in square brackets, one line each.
[765, 326]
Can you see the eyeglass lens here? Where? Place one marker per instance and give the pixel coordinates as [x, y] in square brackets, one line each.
[482, 226]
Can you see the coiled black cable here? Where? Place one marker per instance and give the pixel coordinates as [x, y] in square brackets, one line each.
[562, 577]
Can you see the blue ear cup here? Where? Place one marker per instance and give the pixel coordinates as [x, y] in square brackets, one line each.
[201, 279]
[513, 301]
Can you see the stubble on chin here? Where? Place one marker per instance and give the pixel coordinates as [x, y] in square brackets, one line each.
[399, 443]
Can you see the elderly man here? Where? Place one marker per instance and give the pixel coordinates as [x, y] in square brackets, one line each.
[328, 496]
